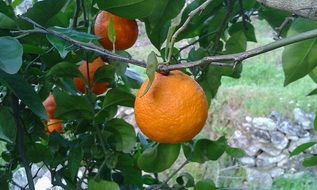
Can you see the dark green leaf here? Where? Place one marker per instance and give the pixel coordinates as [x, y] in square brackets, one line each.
[132, 79]
[313, 74]
[118, 96]
[64, 69]
[299, 59]
[74, 158]
[72, 107]
[159, 158]
[24, 92]
[131, 9]
[158, 22]
[236, 43]
[203, 150]
[245, 27]
[102, 185]
[150, 70]
[210, 83]
[205, 185]
[312, 161]
[315, 123]
[124, 135]
[10, 54]
[7, 125]
[75, 35]
[185, 180]
[301, 148]
[235, 152]
[34, 150]
[42, 11]
[6, 22]
[62, 47]
[196, 24]
[104, 74]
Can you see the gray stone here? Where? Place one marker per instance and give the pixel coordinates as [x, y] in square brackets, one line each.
[292, 130]
[252, 149]
[302, 119]
[269, 149]
[276, 172]
[247, 161]
[261, 136]
[278, 140]
[264, 123]
[265, 160]
[275, 116]
[248, 119]
[259, 178]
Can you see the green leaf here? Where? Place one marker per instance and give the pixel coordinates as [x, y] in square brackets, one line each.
[64, 69]
[10, 54]
[236, 43]
[313, 74]
[42, 11]
[34, 150]
[131, 9]
[24, 92]
[118, 96]
[315, 123]
[74, 158]
[157, 24]
[301, 148]
[185, 180]
[124, 135]
[62, 47]
[159, 158]
[102, 185]
[72, 107]
[75, 35]
[313, 92]
[150, 70]
[203, 150]
[245, 27]
[299, 59]
[6, 22]
[7, 125]
[111, 32]
[312, 161]
[196, 25]
[205, 185]
[235, 152]
[104, 74]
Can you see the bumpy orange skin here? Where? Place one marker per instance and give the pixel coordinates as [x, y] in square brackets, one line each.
[50, 106]
[96, 88]
[174, 110]
[126, 31]
[54, 125]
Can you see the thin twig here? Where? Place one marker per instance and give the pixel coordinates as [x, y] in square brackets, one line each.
[84, 13]
[20, 141]
[184, 26]
[282, 27]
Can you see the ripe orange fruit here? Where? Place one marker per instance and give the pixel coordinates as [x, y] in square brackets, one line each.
[97, 88]
[174, 110]
[54, 125]
[50, 106]
[126, 31]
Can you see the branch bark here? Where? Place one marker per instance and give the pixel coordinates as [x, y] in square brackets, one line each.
[304, 8]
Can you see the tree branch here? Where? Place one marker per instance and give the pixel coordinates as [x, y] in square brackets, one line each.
[20, 141]
[217, 60]
[305, 8]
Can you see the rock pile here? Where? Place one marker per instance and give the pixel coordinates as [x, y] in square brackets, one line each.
[268, 142]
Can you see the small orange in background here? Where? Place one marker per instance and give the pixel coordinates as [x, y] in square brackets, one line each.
[96, 88]
[174, 110]
[50, 106]
[126, 31]
[54, 125]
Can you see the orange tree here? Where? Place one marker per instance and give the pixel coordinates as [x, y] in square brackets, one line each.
[41, 50]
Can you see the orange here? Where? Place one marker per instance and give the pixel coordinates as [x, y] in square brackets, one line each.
[50, 106]
[97, 88]
[54, 125]
[174, 110]
[126, 31]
